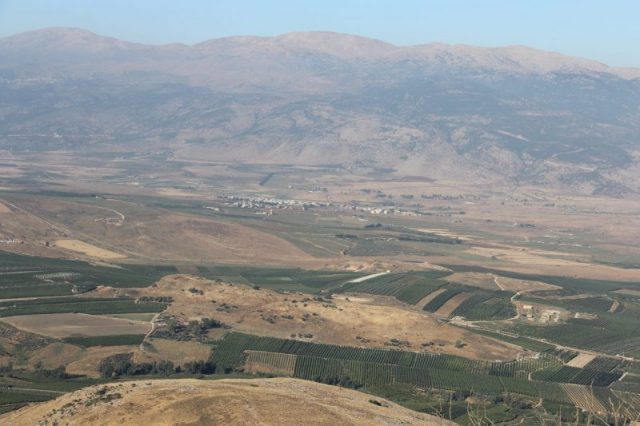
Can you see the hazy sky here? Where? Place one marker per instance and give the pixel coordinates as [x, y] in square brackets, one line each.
[606, 30]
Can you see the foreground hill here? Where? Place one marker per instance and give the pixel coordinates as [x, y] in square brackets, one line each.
[230, 402]
[487, 115]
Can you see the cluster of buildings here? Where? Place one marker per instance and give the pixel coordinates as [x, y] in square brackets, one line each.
[258, 202]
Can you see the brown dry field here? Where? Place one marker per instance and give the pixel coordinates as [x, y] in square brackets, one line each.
[481, 280]
[577, 270]
[443, 232]
[77, 360]
[489, 281]
[581, 360]
[148, 234]
[526, 256]
[67, 325]
[339, 321]
[89, 250]
[280, 401]
[172, 350]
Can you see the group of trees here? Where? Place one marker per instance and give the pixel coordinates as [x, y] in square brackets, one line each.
[192, 330]
[343, 381]
[59, 373]
[123, 365]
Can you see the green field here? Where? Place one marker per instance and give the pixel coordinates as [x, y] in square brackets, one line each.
[279, 279]
[377, 367]
[96, 306]
[407, 287]
[29, 276]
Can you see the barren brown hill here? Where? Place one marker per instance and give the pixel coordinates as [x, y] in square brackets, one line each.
[361, 322]
[228, 402]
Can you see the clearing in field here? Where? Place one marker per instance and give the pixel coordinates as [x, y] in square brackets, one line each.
[88, 363]
[445, 233]
[89, 249]
[77, 360]
[429, 297]
[525, 256]
[176, 351]
[581, 360]
[489, 281]
[60, 326]
[452, 304]
[368, 277]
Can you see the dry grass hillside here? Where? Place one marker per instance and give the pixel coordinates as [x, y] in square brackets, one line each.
[228, 402]
[357, 321]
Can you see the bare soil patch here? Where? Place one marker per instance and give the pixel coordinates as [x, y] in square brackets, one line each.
[526, 256]
[176, 351]
[69, 325]
[517, 285]
[55, 355]
[89, 249]
[77, 360]
[441, 232]
[581, 360]
[490, 281]
[88, 363]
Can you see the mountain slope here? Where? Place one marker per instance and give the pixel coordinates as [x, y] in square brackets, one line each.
[514, 115]
[232, 402]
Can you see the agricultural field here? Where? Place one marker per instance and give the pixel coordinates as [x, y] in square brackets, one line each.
[409, 288]
[545, 377]
[92, 306]
[281, 279]
[88, 249]
[27, 276]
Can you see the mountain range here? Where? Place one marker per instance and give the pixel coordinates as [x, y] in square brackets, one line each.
[513, 115]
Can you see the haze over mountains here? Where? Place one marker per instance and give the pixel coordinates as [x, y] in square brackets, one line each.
[511, 115]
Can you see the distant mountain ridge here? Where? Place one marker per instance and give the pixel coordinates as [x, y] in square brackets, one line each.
[522, 59]
[510, 114]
